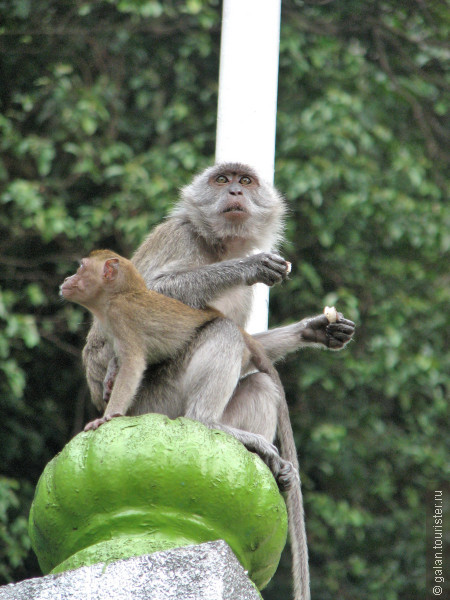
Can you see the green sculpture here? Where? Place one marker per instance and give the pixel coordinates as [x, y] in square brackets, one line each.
[144, 484]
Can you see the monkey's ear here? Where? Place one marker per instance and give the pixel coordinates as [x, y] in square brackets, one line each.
[111, 269]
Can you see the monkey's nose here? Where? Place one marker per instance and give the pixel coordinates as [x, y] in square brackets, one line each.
[235, 190]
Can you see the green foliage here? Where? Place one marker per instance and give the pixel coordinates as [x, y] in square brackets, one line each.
[108, 109]
[14, 539]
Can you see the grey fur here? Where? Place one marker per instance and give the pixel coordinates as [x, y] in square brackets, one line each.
[202, 258]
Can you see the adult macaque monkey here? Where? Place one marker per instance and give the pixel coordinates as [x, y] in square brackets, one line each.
[146, 328]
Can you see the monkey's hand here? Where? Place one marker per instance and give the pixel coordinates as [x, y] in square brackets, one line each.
[265, 267]
[332, 335]
[97, 422]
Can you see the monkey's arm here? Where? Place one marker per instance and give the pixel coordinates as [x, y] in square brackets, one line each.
[128, 379]
[313, 332]
[199, 286]
[126, 384]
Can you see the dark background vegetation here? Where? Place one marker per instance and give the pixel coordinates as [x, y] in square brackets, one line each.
[107, 108]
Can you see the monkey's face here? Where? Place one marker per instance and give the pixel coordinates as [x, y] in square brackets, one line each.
[85, 285]
[231, 202]
[233, 191]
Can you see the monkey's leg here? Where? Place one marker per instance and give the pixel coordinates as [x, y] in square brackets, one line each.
[96, 356]
[211, 371]
[110, 377]
[253, 411]
[125, 387]
[253, 406]
[210, 375]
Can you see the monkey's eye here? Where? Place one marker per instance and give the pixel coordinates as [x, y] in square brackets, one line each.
[221, 179]
[245, 180]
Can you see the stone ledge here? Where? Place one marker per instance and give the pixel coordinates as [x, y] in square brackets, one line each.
[207, 571]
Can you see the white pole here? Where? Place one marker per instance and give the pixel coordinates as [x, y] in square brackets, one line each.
[246, 118]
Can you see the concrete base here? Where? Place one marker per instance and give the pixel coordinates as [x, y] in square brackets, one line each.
[205, 572]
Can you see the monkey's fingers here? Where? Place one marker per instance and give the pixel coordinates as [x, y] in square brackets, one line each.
[92, 425]
[278, 259]
[261, 446]
[280, 263]
[283, 471]
[95, 424]
[333, 343]
[341, 326]
[277, 268]
[343, 320]
[109, 417]
[339, 333]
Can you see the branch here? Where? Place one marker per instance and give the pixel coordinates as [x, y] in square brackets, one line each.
[405, 57]
[432, 146]
[77, 31]
[64, 346]
[30, 263]
[81, 401]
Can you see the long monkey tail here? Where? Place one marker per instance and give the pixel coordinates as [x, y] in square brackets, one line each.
[294, 503]
[293, 497]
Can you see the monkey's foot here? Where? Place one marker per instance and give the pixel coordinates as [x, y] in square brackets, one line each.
[283, 471]
[92, 425]
[287, 476]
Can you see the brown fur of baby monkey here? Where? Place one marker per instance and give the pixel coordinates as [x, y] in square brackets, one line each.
[144, 326]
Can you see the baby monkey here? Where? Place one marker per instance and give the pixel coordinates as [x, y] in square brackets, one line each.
[144, 327]
[147, 330]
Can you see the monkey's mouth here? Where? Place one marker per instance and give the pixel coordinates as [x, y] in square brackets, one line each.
[67, 289]
[235, 210]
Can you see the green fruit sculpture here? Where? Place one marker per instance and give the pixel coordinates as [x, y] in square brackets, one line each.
[143, 484]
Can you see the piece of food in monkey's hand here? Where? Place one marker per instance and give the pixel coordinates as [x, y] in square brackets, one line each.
[331, 314]
[289, 267]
